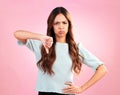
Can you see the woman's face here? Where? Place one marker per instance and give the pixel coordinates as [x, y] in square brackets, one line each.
[60, 26]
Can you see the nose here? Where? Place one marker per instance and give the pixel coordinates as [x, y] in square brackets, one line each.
[61, 26]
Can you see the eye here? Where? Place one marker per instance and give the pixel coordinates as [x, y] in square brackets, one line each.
[64, 22]
[56, 23]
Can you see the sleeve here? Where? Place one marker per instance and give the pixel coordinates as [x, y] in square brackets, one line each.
[89, 59]
[33, 45]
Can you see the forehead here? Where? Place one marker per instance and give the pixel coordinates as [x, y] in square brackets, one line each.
[60, 17]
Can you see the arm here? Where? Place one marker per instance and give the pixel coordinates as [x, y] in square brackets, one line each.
[100, 72]
[23, 35]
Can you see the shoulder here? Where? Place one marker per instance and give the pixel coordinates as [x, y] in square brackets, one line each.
[79, 45]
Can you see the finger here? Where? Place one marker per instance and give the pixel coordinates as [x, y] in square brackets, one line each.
[67, 88]
[67, 91]
[47, 50]
[49, 44]
[51, 39]
[68, 83]
[45, 43]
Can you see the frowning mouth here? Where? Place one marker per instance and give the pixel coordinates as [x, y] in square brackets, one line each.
[61, 32]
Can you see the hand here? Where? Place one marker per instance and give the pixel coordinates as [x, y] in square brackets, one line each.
[72, 89]
[47, 42]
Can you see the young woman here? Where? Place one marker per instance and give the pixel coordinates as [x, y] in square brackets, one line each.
[59, 57]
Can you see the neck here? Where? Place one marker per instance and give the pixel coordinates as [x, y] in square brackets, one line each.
[61, 40]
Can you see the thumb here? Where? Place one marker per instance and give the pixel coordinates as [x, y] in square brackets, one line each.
[46, 48]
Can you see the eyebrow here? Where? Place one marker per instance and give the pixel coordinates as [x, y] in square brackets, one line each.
[60, 21]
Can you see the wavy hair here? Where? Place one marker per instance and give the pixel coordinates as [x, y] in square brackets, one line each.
[47, 60]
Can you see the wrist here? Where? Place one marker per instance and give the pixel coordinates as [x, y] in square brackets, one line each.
[81, 89]
[41, 37]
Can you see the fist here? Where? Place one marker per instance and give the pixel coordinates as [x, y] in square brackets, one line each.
[47, 42]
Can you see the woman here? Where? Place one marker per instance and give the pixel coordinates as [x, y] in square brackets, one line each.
[59, 57]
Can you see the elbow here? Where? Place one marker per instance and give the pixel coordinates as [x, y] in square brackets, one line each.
[20, 35]
[105, 71]
[17, 34]
[102, 69]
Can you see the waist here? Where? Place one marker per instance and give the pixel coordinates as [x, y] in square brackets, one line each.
[55, 83]
[52, 93]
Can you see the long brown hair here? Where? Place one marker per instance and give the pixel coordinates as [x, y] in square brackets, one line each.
[47, 60]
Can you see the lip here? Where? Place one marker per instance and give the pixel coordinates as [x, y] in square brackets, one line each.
[61, 32]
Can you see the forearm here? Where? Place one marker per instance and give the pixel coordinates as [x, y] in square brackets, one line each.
[100, 72]
[23, 35]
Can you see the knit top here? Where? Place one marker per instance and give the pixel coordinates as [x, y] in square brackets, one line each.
[61, 67]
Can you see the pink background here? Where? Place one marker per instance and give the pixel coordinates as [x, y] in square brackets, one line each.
[96, 25]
